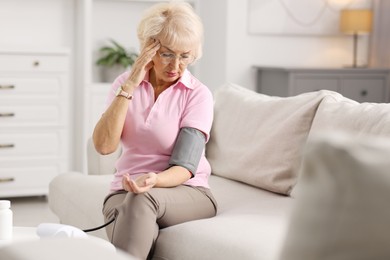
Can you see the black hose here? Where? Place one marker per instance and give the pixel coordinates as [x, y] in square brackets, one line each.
[99, 227]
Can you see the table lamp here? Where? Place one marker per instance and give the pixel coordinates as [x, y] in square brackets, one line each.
[355, 22]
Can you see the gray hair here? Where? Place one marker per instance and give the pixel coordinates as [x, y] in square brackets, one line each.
[174, 22]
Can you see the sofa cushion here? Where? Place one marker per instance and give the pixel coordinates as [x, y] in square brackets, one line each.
[341, 209]
[61, 249]
[257, 138]
[337, 113]
[250, 224]
[78, 200]
[99, 164]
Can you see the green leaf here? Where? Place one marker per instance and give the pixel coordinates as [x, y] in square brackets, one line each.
[116, 54]
[106, 48]
[118, 46]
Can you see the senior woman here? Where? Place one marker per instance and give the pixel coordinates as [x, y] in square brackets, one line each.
[161, 115]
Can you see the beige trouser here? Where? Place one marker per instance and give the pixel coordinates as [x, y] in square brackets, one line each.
[138, 217]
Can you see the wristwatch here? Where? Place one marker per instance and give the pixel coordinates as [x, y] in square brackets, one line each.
[121, 92]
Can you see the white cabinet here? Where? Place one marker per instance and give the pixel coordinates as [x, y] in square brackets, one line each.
[34, 120]
[360, 84]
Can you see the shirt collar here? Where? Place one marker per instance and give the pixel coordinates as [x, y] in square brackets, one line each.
[185, 80]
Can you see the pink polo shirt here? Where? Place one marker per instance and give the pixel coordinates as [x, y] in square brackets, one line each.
[151, 128]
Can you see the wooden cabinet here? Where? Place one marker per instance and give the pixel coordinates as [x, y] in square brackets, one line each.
[34, 120]
[360, 84]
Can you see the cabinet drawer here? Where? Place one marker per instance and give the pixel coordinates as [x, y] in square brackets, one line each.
[308, 84]
[29, 144]
[30, 115]
[362, 85]
[24, 181]
[364, 90]
[33, 63]
[10, 86]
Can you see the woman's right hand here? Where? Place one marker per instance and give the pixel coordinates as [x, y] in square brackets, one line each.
[141, 184]
[142, 64]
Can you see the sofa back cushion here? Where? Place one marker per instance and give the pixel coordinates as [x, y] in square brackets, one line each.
[257, 139]
[99, 164]
[341, 209]
[337, 113]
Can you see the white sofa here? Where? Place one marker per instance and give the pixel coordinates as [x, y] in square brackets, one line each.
[256, 153]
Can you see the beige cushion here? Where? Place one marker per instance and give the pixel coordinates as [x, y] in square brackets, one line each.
[257, 138]
[342, 209]
[342, 114]
[61, 249]
[78, 200]
[338, 113]
[250, 225]
[101, 164]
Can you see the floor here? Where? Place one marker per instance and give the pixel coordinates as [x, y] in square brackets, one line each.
[32, 211]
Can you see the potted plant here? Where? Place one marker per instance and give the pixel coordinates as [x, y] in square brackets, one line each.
[114, 60]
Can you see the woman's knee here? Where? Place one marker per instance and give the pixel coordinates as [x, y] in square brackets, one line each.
[142, 203]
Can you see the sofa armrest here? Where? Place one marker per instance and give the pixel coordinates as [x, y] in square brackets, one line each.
[101, 164]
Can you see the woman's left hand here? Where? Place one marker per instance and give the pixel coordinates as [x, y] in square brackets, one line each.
[141, 184]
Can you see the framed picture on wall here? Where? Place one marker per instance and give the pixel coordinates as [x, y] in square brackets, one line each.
[298, 17]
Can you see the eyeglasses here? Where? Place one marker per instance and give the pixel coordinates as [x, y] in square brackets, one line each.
[168, 57]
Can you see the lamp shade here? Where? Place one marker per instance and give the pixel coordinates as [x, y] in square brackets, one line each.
[356, 21]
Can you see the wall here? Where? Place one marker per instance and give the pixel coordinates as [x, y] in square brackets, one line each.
[241, 51]
[380, 37]
[212, 68]
[229, 51]
[37, 23]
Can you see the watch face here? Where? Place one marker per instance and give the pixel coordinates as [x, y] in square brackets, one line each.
[118, 91]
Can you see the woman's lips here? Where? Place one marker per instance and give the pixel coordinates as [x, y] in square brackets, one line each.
[171, 74]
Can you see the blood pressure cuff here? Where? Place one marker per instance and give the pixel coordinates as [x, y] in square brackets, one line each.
[188, 149]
